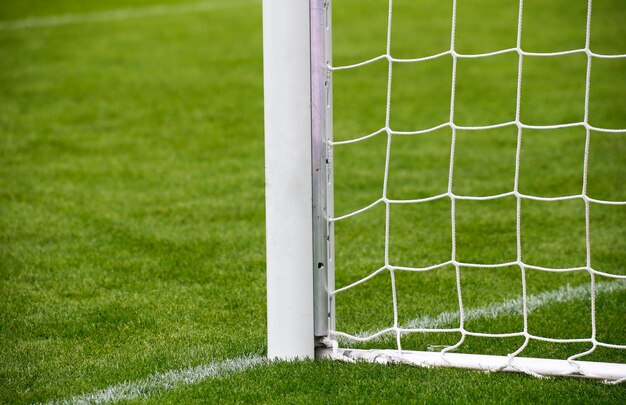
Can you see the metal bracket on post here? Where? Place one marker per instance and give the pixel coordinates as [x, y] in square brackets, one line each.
[321, 132]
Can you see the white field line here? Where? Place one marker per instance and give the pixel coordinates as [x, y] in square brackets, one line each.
[160, 382]
[122, 14]
[511, 306]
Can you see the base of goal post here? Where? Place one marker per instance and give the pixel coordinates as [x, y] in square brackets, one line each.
[541, 367]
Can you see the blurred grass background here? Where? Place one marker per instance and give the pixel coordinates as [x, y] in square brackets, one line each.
[131, 194]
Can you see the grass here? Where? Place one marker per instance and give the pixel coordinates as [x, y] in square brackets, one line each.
[131, 197]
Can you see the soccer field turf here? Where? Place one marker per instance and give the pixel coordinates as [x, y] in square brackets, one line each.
[132, 198]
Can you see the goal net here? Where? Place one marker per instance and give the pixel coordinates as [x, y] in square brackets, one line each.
[469, 209]
[464, 165]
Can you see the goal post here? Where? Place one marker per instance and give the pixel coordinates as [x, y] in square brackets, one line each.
[300, 219]
[297, 101]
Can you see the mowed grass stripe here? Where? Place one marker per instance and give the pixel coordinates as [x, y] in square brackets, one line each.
[127, 129]
[122, 14]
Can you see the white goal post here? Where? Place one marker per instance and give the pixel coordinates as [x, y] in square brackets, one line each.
[299, 203]
[296, 43]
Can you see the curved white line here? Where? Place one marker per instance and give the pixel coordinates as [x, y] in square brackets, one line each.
[121, 14]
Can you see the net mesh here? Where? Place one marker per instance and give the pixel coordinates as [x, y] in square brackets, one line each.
[527, 301]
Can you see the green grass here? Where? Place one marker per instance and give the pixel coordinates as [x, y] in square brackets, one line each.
[132, 197]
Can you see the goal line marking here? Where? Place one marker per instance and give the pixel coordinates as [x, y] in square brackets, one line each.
[122, 14]
[507, 307]
[169, 380]
[173, 379]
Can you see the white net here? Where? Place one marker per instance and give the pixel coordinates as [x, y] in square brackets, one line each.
[527, 302]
